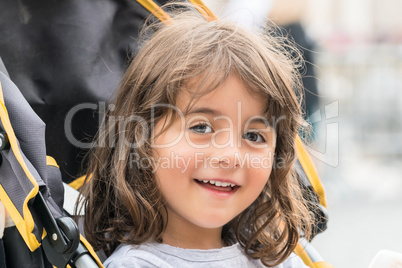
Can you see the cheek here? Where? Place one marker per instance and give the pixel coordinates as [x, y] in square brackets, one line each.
[175, 162]
[261, 177]
[172, 172]
[167, 139]
[260, 170]
[261, 163]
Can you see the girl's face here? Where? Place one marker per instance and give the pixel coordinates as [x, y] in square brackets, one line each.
[215, 160]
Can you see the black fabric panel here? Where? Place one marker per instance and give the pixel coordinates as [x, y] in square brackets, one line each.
[18, 254]
[61, 54]
[2, 255]
[311, 99]
[296, 33]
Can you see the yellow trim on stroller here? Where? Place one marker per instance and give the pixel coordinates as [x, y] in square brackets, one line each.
[204, 10]
[304, 255]
[77, 183]
[156, 10]
[50, 161]
[310, 171]
[92, 251]
[25, 223]
[322, 264]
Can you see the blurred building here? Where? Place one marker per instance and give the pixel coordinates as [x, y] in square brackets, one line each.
[360, 63]
[359, 70]
[358, 19]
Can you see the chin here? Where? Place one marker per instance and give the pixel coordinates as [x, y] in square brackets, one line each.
[212, 223]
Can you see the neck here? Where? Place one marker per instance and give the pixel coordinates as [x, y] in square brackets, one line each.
[183, 234]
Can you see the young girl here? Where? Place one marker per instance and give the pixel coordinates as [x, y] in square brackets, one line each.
[193, 165]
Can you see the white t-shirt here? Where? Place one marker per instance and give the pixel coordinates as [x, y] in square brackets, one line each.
[158, 255]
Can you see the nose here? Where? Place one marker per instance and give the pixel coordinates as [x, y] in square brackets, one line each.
[229, 161]
[228, 154]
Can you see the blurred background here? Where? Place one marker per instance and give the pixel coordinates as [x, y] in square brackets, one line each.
[356, 49]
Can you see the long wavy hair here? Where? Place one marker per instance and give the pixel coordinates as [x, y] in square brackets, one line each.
[121, 199]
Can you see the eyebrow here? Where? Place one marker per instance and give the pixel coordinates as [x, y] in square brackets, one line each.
[259, 119]
[204, 110]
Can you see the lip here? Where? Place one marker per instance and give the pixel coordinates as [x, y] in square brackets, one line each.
[218, 179]
[215, 192]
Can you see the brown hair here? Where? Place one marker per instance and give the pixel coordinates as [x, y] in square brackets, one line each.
[122, 201]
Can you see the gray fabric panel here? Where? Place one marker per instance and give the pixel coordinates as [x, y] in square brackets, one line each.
[30, 133]
[12, 176]
[28, 127]
[17, 186]
[14, 182]
[56, 188]
[301, 173]
[3, 68]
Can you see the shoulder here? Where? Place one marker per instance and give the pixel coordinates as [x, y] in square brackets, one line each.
[132, 256]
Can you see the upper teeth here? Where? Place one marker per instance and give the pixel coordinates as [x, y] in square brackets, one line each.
[218, 183]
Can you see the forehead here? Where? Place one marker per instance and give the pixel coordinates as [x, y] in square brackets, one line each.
[230, 98]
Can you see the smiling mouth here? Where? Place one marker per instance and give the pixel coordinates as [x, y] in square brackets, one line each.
[217, 185]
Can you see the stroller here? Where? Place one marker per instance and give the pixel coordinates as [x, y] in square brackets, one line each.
[41, 233]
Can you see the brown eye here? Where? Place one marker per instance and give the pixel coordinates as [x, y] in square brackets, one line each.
[254, 137]
[202, 128]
